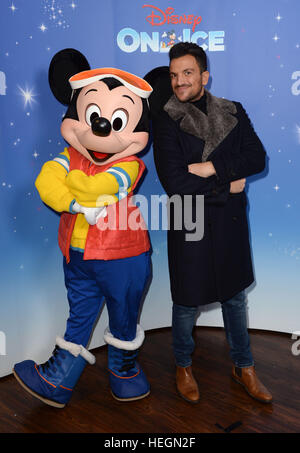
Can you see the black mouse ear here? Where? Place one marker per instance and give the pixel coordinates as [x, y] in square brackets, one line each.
[64, 65]
[159, 79]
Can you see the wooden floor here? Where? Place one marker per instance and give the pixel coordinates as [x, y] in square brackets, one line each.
[92, 409]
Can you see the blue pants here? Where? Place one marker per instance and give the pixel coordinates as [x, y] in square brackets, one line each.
[235, 323]
[121, 283]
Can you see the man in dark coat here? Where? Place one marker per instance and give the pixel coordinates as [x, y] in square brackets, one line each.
[206, 146]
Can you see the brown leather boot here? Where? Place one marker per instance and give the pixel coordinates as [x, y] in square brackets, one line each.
[249, 380]
[187, 385]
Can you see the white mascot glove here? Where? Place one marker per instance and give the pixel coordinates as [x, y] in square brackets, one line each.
[92, 215]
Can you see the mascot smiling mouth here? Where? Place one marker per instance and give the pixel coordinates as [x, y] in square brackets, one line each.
[98, 157]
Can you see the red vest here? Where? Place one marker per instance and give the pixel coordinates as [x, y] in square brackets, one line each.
[105, 243]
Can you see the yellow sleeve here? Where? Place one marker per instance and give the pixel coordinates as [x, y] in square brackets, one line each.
[51, 185]
[103, 188]
[131, 168]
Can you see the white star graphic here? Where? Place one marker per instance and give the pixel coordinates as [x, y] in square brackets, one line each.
[27, 95]
[43, 28]
[12, 7]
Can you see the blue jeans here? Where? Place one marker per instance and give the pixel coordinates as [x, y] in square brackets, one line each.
[235, 323]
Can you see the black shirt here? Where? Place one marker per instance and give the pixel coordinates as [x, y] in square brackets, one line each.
[201, 104]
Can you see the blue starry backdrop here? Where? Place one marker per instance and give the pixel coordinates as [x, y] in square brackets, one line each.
[254, 54]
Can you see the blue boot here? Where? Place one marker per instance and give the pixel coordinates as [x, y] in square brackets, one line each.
[53, 381]
[127, 380]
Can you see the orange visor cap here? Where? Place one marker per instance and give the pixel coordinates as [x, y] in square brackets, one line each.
[134, 83]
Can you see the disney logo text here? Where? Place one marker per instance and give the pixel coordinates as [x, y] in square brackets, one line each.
[159, 17]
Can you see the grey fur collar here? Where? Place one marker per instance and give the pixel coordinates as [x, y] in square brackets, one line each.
[212, 128]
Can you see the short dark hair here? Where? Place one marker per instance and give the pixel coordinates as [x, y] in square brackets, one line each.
[189, 48]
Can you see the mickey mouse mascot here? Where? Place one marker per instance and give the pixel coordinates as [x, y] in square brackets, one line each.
[90, 183]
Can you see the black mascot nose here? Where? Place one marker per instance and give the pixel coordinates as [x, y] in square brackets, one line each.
[101, 127]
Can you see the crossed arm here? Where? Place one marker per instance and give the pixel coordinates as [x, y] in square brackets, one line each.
[76, 192]
[206, 169]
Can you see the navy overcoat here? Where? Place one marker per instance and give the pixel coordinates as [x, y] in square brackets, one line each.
[219, 265]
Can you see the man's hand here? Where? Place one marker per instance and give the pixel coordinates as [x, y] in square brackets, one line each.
[203, 169]
[237, 186]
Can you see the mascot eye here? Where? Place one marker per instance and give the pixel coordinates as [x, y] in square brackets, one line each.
[119, 120]
[91, 113]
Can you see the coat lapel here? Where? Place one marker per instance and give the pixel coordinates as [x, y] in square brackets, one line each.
[212, 128]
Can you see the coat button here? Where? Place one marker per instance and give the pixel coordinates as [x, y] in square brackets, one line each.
[234, 218]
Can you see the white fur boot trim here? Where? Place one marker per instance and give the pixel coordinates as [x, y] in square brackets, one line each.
[122, 344]
[76, 350]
